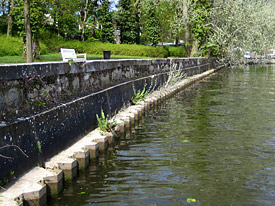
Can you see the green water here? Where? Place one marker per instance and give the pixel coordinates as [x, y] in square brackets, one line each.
[213, 143]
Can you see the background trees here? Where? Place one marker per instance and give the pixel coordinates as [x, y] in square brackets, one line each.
[150, 22]
[239, 26]
[127, 22]
[106, 21]
[203, 27]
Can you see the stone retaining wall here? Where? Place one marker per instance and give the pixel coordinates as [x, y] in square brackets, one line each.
[45, 107]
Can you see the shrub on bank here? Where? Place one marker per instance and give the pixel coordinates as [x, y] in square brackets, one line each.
[13, 46]
[116, 49]
[10, 46]
[174, 51]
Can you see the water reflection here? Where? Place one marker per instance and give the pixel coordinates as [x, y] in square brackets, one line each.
[213, 142]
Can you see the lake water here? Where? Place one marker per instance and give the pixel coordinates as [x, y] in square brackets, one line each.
[211, 144]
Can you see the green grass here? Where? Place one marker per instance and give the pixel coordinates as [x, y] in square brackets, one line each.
[57, 57]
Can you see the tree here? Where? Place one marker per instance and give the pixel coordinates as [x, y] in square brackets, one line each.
[35, 18]
[180, 23]
[65, 18]
[37, 23]
[106, 21]
[199, 19]
[239, 26]
[190, 21]
[27, 18]
[151, 27]
[127, 22]
[83, 17]
[10, 17]
[165, 13]
[136, 16]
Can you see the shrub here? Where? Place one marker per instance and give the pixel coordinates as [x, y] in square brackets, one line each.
[43, 49]
[176, 51]
[10, 46]
[13, 46]
[96, 47]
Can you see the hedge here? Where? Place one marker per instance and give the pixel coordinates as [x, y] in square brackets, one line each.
[12, 46]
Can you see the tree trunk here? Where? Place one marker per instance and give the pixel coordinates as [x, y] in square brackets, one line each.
[36, 48]
[84, 20]
[194, 49]
[10, 18]
[28, 31]
[187, 41]
[94, 18]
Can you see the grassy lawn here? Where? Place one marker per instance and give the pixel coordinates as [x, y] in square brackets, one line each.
[57, 57]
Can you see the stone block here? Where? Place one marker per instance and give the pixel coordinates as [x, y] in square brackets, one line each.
[31, 186]
[54, 181]
[99, 138]
[2, 101]
[75, 83]
[14, 97]
[64, 163]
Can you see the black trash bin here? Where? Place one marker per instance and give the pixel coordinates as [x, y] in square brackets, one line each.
[107, 54]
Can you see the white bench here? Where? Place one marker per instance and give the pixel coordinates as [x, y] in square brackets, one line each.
[69, 54]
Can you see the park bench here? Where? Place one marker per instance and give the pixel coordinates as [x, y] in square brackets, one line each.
[69, 54]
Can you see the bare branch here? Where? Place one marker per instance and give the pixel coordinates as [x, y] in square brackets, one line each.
[12, 146]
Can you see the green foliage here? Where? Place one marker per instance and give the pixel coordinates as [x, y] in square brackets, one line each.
[240, 26]
[37, 17]
[210, 48]
[95, 47]
[176, 51]
[165, 15]
[3, 24]
[43, 48]
[64, 16]
[10, 46]
[104, 123]
[42, 104]
[151, 23]
[127, 22]
[38, 147]
[107, 31]
[140, 94]
[190, 200]
[200, 28]
[191, 23]
[7, 179]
